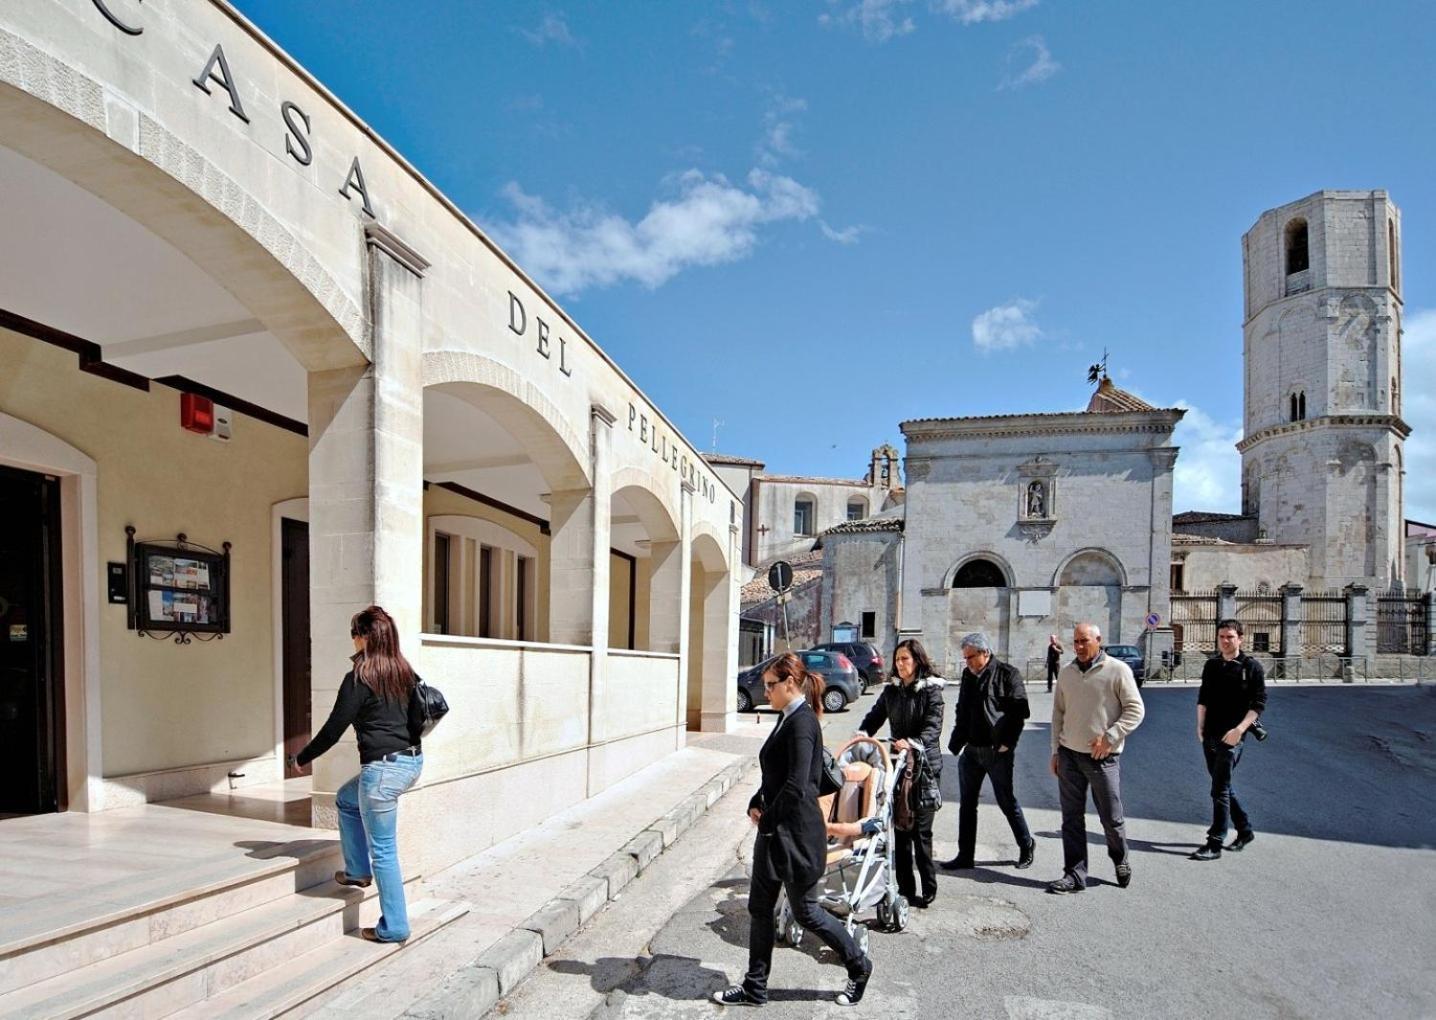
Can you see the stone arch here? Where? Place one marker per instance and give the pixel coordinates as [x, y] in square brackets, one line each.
[659, 519]
[171, 189]
[712, 632]
[558, 450]
[973, 562]
[1090, 566]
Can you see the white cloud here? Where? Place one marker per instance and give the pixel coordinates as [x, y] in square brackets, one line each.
[848, 235]
[707, 221]
[970, 12]
[1036, 61]
[552, 29]
[1418, 408]
[778, 130]
[879, 20]
[1208, 472]
[1006, 327]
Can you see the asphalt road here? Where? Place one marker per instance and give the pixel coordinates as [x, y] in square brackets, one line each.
[1330, 913]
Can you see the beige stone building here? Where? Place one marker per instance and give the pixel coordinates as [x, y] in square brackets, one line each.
[231, 312]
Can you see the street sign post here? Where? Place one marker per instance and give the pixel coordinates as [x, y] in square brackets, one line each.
[780, 579]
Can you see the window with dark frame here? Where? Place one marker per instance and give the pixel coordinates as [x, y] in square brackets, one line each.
[1178, 576]
[1261, 641]
[857, 510]
[441, 583]
[803, 515]
[870, 625]
[486, 591]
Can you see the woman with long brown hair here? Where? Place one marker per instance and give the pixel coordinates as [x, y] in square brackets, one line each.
[792, 846]
[378, 699]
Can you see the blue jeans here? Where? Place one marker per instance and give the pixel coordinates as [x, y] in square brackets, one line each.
[368, 824]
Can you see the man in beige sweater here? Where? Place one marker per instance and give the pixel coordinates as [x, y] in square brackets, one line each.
[1094, 709]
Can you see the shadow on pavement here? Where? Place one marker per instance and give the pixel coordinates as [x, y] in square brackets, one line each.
[1344, 763]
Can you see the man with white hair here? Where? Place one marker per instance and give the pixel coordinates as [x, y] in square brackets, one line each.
[1095, 708]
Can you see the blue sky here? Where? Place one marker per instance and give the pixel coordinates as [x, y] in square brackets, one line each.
[812, 221]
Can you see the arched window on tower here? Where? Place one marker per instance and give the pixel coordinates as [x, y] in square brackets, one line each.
[1297, 257]
[1301, 406]
[1293, 407]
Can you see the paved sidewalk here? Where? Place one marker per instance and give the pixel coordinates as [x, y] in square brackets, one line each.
[531, 892]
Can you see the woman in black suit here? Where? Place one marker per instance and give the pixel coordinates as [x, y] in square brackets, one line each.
[792, 846]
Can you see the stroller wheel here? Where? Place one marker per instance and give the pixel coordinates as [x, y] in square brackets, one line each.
[900, 912]
[885, 915]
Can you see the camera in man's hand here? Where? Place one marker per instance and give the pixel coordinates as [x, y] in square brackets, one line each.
[1257, 730]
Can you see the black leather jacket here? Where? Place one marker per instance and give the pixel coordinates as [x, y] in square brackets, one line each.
[913, 712]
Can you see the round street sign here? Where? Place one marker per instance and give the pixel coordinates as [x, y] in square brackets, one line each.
[1153, 619]
[780, 576]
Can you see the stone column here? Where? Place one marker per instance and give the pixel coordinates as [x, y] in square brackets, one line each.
[1360, 634]
[1226, 602]
[366, 491]
[666, 562]
[1291, 619]
[572, 522]
[684, 596]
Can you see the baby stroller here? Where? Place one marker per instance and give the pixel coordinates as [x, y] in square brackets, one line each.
[859, 876]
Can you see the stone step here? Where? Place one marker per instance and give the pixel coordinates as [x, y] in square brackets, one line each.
[79, 931]
[288, 986]
[159, 978]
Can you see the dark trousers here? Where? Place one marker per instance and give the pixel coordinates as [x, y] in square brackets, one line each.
[915, 844]
[1076, 773]
[973, 765]
[762, 899]
[1051, 675]
[1221, 763]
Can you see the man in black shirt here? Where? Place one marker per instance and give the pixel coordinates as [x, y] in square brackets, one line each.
[1232, 697]
[991, 707]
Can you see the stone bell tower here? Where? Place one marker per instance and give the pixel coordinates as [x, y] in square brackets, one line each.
[1322, 458]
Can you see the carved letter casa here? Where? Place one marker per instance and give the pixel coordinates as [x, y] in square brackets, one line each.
[110, 17]
[356, 181]
[518, 318]
[224, 78]
[543, 338]
[306, 154]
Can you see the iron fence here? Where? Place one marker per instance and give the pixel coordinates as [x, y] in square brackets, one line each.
[1260, 615]
[1194, 624]
[1323, 624]
[1323, 668]
[1401, 622]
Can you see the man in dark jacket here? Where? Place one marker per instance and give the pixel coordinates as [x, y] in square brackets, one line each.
[1232, 698]
[991, 707]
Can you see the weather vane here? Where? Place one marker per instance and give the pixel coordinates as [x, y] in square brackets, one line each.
[1098, 371]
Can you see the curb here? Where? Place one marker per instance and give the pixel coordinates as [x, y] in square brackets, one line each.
[475, 988]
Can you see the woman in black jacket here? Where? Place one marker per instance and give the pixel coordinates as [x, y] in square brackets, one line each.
[791, 850]
[377, 698]
[911, 704]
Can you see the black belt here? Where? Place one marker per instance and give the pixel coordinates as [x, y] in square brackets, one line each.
[412, 751]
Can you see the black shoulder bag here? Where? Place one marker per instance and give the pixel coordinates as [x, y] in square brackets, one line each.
[432, 705]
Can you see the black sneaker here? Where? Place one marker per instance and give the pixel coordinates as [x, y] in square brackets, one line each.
[1066, 884]
[736, 995]
[1124, 875]
[1210, 852]
[1029, 854]
[957, 864]
[852, 994]
[1240, 843]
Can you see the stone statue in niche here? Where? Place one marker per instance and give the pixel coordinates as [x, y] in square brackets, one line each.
[1036, 500]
